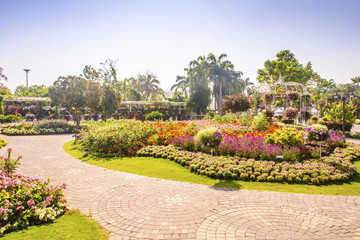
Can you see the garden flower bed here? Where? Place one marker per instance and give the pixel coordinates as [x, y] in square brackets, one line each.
[39, 127]
[26, 201]
[336, 168]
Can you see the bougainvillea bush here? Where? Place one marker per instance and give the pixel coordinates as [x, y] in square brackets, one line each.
[39, 127]
[26, 201]
[333, 169]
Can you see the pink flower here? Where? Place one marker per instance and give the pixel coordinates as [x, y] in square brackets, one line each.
[27, 192]
[30, 202]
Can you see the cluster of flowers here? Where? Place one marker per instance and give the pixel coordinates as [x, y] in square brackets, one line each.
[26, 201]
[40, 127]
[290, 113]
[332, 169]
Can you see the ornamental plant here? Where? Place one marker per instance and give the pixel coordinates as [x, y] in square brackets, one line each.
[154, 116]
[316, 132]
[290, 113]
[7, 164]
[292, 96]
[267, 98]
[10, 118]
[209, 137]
[260, 122]
[286, 137]
[3, 143]
[26, 201]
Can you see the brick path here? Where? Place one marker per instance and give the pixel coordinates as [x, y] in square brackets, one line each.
[138, 207]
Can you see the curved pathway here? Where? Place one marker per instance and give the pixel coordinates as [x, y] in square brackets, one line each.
[138, 207]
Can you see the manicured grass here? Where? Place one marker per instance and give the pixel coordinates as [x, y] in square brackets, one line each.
[166, 169]
[72, 225]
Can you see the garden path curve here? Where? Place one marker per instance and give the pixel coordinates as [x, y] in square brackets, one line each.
[138, 207]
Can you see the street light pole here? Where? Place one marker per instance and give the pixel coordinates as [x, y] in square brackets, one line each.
[27, 79]
[343, 99]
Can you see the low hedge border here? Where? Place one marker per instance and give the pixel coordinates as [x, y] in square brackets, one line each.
[335, 168]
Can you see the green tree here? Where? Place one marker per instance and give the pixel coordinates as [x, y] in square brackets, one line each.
[356, 80]
[32, 91]
[200, 93]
[4, 90]
[110, 100]
[73, 93]
[289, 67]
[148, 86]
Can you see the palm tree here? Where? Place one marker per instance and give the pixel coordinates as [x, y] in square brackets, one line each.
[148, 86]
[356, 80]
[182, 85]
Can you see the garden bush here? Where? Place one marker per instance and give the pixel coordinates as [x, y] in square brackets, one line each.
[3, 143]
[154, 116]
[235, 103]
[210, 137]
[26, 201]
[29, 117]
[260, 122]
[286, 137]
[40, 127]
[10, 118]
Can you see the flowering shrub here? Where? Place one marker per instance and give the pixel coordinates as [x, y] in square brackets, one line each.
[267, 98]
[332, 169]
[292, 96]
[7, 164]
[286, 137]
[210, 137]
[26, 201]
[184, 142]
[248, 147]
[29, 117]
[316, 132]
[269, 113]
[40, 127]
[290, 113]
[336, 139]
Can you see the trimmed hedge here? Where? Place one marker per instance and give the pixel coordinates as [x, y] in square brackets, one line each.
[336, 168]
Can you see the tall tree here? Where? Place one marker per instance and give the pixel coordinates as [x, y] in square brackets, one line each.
[110, 100]
[148, 86]
[200, 93]
[288, 67]
[74, 93]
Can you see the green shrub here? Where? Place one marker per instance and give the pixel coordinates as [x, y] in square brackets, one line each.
[10, 118]
[229, 117]
[314, 119]
[286, 137]
[3, 143]
[154, 116]
[260, 122]
[29, 117]
[245, 119]
[209, 137]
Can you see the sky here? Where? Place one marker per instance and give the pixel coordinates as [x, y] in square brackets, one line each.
[58, 38]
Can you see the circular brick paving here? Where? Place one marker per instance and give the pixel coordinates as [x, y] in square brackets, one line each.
[138, 207]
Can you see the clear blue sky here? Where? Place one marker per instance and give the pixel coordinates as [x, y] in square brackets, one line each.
[56, 38]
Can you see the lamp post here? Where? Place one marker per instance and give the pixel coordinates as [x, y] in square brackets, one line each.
[27, 81]
[343, 99]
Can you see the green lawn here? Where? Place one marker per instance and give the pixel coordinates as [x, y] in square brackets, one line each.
[166, 169]
[72, 225]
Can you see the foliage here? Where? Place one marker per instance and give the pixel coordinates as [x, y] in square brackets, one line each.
[235, 103]
[10, 118]
[26, 201]
[110, 100]
[3, 143]
[199, 98]
[333, 169]
[209, 137]
[269, 113]
[267, 98]
[286, 137]
[335, 113]
[75, 93]
[184, 142]
[117, 137]
[314, 119]
[2, 75]
[260, 122]
[245, 119]
[290, 113]
[40, 127]
[29, 117]
[32, 91]
[10, 109]
[154, 116]
[289, 67]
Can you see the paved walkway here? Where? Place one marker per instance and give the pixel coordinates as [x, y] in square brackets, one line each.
[138, 207]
